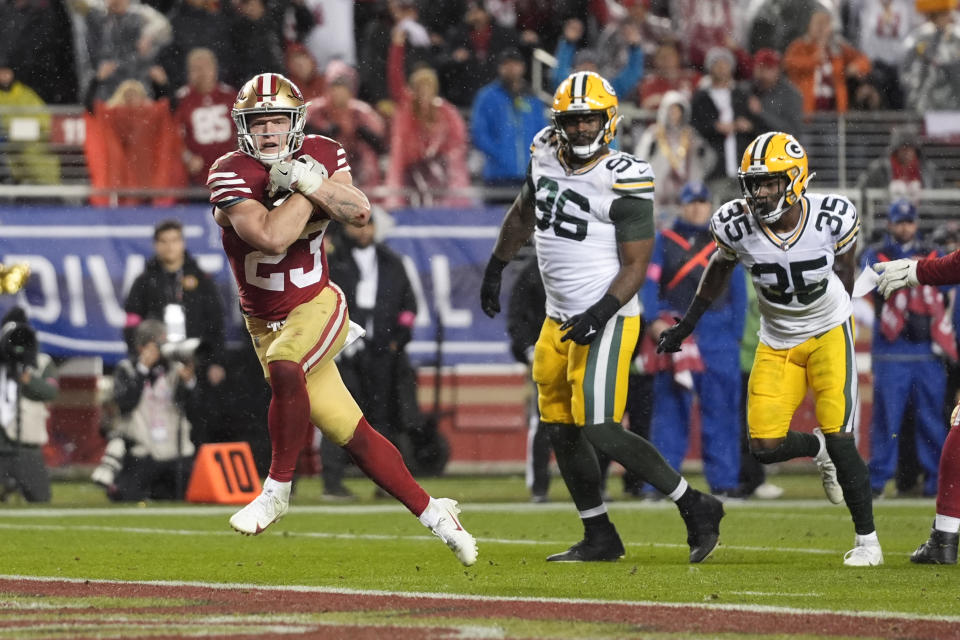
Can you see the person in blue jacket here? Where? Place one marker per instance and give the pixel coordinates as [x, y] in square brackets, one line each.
[506, 117]
[910, 339]
[680, 255]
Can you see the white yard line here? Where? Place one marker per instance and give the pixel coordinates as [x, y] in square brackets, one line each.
[478, 598]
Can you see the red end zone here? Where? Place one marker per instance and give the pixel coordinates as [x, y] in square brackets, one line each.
[41, 607]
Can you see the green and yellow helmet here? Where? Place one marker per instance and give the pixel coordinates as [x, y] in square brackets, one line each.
[586, 91]
[773, 154]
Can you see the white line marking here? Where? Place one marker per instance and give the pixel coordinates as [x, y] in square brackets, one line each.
[324, 535]
[755, 608]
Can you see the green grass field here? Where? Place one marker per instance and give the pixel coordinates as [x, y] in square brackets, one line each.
[786, 552]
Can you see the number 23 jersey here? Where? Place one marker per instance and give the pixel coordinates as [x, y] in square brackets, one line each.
[575, 237]
[798, 292]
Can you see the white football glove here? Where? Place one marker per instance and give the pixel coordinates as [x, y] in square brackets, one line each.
[303, 174]
[896, 274]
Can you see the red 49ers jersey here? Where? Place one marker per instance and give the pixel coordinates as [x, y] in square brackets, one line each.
[208, 130]
[271, 286]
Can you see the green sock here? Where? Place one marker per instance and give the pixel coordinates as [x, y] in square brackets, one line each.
[795, 445]
[854, 479]
[635, 453]
[578, 464]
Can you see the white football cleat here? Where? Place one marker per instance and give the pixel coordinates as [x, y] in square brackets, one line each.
[266, 508]
[828, 471]
[866, 555]
[449, 529]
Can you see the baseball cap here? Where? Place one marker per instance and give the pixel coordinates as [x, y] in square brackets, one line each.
[902, 211]
[510, 53]
[766, 58]
[694, 192]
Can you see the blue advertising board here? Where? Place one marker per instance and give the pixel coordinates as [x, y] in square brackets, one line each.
[83, 261]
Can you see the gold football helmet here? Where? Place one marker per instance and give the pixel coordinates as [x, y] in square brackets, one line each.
[269, 93]
[776, 161]
[585, 92]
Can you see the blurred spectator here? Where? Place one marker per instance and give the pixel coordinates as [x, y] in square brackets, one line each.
[25, 128]
[701, 26]
[375, 368]
[903, 166]
[124, 39]
[174, 289]
[331, 37]
[399, 22]
[910, 336]
[428, 139]
[506, 116]
[195, 23]
[774, 103]
[353, 123]
[149, 453]
[820, 63]
[653, 31]
[719, 112]
[679, 258]
[50, 69]
[526, 312]
[624, 71]
[774, 24]
[880, 28]
[254, 44]
[302, 69]
[28, 380]
[676, 152]
[538, 23]
[666, 75]
[132, 142]
[473, 49]
[931, 67]
[203, 113]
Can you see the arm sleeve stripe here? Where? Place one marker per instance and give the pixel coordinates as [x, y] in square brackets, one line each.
[723, 246]
[844, 241]
[632, 219]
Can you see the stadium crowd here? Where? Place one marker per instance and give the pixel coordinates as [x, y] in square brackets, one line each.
[425, 95]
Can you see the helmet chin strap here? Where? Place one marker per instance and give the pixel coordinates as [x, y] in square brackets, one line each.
[585, 151]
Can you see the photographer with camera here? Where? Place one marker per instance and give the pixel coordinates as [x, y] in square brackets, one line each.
[28, 380]
[175, 290]
[150, 453]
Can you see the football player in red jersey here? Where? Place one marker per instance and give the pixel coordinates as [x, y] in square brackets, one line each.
[273, 199]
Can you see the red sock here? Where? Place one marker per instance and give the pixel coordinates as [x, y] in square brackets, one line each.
[288, 418]
[948, 480]
[379, 459]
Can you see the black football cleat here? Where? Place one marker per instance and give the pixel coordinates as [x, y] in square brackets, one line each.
[703, 526]
[940, 548]
[606, 547]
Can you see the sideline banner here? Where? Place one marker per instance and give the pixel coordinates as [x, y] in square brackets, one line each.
[84, 260]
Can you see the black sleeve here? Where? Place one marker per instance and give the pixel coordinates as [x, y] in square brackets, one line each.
[127, 386]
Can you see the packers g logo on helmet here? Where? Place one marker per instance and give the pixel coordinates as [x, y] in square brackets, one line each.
[269, 93]
[584, 92]
[773, 155]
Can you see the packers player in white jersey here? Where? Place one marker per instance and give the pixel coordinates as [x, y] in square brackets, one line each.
[590, 210]
[800, 251]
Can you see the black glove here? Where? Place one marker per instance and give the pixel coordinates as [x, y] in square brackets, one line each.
[490, 288]
[671, 338]
[585, 327]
